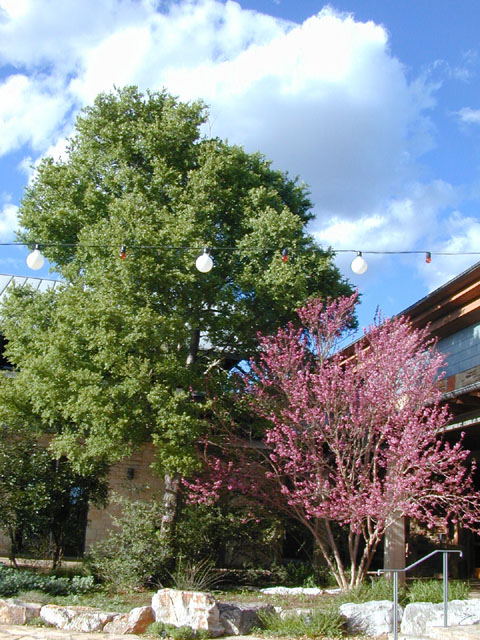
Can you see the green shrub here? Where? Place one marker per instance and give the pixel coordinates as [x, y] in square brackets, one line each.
[432, 590]
[319, 624]
[131, 555]
[14, 580]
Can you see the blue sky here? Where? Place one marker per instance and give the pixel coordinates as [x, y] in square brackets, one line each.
[374, 103]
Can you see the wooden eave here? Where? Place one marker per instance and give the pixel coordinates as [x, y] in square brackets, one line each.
[451, 307]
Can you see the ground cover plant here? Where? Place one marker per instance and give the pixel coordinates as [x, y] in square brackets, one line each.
[13, 581]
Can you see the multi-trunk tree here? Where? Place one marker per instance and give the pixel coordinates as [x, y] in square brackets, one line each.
[349, 443]
[117, 355]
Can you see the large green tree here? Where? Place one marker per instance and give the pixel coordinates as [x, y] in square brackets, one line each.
[113, 357]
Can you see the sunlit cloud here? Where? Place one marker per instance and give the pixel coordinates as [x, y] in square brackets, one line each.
[469, 116]
[8, 221]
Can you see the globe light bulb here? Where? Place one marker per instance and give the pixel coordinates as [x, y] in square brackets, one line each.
[204, 263]
[35, 260]
[359, 264]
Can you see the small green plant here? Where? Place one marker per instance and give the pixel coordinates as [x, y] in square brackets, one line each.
[163, 630]
[432, 590]
[195, 576]
[319, 623]
[37, 622]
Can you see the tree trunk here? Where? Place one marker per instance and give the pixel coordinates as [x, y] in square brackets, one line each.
[170, 499]
[170, 506]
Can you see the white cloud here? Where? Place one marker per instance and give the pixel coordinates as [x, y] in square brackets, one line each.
[400, 225]
[31, 112]
[14, 8]
[469, 116]
[8, 220]
[460, 234]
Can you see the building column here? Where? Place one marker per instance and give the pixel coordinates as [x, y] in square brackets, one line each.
[394, 554]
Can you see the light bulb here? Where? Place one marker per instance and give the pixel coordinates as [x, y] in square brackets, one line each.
[35, 260]
[204, 263]
[359, 264]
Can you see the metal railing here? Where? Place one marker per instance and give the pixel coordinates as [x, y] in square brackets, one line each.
[445, 584]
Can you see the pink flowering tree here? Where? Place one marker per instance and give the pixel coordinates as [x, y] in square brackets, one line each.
[351, 441]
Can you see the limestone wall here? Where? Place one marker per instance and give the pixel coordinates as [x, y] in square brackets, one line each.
[131, 478]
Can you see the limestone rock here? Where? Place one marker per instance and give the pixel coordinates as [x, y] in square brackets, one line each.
[75, 618]
[239, 619]
[293, 591]
[193, 608]
[14, 611]
[136, 621]
[370, 618]
[419, 617]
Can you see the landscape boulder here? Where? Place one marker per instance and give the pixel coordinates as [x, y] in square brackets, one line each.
[369, 618]
[419, 617]
[239, 619]
[136, 621]
[84, 619]
[193, 608]
[14, 611]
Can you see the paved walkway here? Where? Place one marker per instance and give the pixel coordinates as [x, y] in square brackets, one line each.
[27, 632]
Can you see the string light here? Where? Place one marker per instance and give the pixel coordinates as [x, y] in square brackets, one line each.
[204, 263]
[35, 260]
[359, 264]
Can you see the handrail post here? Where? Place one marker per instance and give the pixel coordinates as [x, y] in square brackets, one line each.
[395, 573]
[395, 605]
[445, 588]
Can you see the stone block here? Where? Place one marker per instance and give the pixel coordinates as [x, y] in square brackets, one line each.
[193, 608]
[14, 611]
[419, 617]
[239, 619]
[84, 619]
[369, 618]
[136, 621]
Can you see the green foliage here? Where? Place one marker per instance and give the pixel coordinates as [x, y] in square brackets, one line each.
[231, 534]
[415, 591]
[42, 498]
[100, 360]
[185, 632]
[36, 622]
[131, 555]
[432, 590]
[378, 589]
[296, 574]
[14, 580]
[320, 623]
